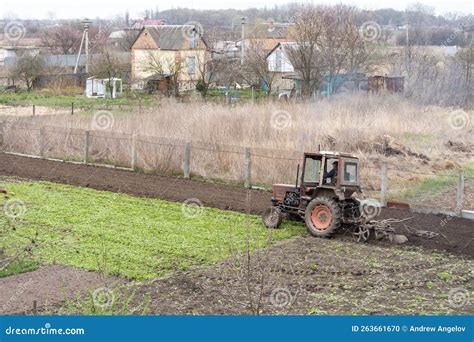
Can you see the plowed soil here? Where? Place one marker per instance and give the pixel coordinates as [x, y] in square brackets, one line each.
[317, 276]
[456, 235]
[48, 286]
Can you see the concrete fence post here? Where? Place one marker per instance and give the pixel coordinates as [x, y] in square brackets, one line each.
[187, 160]
[2, 132]
[72, 108]
[384, 184]
[86, 147]
[460, 193]
[248, 168]
[34, 110]
[133, 152]
[42, 141]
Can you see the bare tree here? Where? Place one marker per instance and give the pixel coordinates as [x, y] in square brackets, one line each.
[108, 65]
[207, 70]
[227, 69]
[165, 67]
[435, 79]
[466, 59]
[305, 56]
[255, 70]
[128, 39]
[328, 43]
[28, 67]
[98, 36]
[62, 39]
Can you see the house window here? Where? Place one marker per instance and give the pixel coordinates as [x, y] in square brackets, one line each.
[191, 63]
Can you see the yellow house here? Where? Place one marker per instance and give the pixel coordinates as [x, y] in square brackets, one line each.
[164, 55]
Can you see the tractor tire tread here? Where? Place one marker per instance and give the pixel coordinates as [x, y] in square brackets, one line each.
[337, 217]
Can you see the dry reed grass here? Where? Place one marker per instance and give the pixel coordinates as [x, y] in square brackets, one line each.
[273, 130]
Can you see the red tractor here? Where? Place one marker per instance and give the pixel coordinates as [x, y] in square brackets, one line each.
[324, 198]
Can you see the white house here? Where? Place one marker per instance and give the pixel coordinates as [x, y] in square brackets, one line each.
[278, 59]
[279, 62]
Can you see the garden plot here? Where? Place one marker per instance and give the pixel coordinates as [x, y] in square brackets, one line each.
[139, 238]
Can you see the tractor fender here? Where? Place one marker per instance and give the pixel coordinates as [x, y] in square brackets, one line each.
[326, 192]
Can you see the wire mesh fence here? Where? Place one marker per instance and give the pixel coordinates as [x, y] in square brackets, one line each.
[449, 191]
[424, 190]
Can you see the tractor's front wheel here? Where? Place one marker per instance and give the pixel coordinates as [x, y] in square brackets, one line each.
[272, 217]
[322, 217]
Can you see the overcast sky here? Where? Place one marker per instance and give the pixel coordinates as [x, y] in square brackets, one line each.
[109, 8]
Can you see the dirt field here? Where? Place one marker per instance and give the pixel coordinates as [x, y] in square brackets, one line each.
[456, 235]
[316, 276]
[48, 285]
[298, 276]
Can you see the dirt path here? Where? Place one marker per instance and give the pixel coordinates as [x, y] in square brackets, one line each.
[28, 110]
[456, 234]
[48, 285]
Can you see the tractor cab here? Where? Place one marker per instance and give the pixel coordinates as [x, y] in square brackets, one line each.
[334, 171]
[331, 174]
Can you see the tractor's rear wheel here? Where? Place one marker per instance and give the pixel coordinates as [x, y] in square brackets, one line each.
[322, 217]
[272, 217]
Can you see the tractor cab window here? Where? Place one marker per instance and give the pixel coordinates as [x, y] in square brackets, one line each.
[311, 170]
[331, 171]
[350, 172]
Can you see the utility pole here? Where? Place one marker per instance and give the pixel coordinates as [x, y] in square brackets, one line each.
[86, 23]
[242, 43]
[407, 46]
[85, 37]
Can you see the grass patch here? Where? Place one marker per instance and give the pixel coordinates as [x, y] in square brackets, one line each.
[51, 100]
[434, 185]
[469, 169]
[19, 266]
[138, 238]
